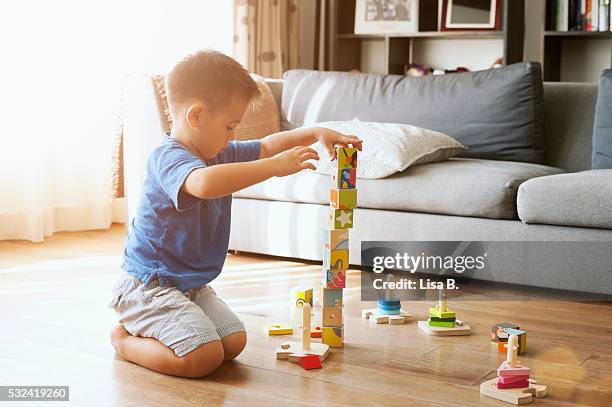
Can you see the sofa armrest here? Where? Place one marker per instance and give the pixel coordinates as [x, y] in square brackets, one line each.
[142, 132]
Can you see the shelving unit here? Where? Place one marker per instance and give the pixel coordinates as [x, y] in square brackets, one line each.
[555, 42]
[343, 48]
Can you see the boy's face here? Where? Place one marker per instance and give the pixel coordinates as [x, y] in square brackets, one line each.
[210, 131]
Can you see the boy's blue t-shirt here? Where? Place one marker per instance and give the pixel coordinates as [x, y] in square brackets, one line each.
[181, 239]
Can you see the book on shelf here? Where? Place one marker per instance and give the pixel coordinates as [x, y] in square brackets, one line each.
[578, 15]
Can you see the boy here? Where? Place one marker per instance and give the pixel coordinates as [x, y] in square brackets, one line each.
[171, 319]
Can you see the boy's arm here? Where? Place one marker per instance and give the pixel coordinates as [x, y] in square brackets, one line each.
[305, 136]
[224, 179]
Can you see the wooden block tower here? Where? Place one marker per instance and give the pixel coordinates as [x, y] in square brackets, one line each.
[343, 199]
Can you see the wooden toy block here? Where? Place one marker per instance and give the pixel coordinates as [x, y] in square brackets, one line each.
[436, 319]
[376, 317]
[389, 307]
[335, 259]
[441, 324]
[310, 362]
[347, 157]
[294, 351]
[458, 330]
[341, 218]
[389, 303]
[332, 336]
[334, 278]
[511, 379]
[514, 396]
[436, 312]
[278, 329]
[522, 339]
[513, 385]
[502, 330]
[502, 347]
[511, 367]
[517, 370]
[316, 332]
[331, 316]
[302, 296]
[336, 239]
[343, 198]
[307, 318]
[499, 333]
[345, 178]
[389, 312]
[331, 297]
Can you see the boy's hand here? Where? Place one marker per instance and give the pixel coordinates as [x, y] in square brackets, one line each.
[294, 160]
[331, 138]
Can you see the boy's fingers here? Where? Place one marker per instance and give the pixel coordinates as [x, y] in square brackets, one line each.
[354, 140]
[308, 165]
[309, 156]
[302, 150]
[331, 151]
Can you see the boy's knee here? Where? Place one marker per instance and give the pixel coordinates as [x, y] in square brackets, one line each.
[234, 344]
[203, 360]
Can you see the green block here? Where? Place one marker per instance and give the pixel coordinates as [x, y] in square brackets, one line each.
[442, 324]
[436, 319]
[435, 312]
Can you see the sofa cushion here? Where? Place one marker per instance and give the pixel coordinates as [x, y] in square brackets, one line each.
[602, 128]
[462, 186]
[576, 199]
[496, 113]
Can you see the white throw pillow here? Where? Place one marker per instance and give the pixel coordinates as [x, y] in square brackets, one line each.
[389, 147]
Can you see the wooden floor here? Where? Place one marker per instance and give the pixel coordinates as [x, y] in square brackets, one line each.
[55, 325]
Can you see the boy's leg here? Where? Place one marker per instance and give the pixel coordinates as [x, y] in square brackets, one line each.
[164, 331]
[230, 328]
[154, 355]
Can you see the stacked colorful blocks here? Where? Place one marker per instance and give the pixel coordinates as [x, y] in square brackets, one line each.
[389, 307]
[440, 315]
[343, 199]
[514, 383]
[511, 374]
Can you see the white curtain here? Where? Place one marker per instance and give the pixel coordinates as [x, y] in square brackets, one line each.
[62, 66]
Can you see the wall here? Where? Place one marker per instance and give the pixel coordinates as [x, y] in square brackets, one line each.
[306, 10]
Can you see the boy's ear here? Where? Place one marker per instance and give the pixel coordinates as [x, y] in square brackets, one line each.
[195, 115]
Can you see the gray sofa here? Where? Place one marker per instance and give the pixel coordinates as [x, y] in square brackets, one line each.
[461, 199]
[485, 196]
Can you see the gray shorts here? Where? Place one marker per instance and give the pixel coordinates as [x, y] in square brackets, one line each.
[180, 321]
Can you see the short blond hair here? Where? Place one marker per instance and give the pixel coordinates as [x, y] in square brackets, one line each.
[212, 77]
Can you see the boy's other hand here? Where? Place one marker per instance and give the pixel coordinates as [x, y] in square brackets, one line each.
[331, 138]
[294, 160]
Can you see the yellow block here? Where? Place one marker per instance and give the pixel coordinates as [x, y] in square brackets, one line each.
[303, 296]
[332, 336]
[279, 329]
[435, 312]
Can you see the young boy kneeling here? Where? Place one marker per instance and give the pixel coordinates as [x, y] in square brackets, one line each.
[171, 319]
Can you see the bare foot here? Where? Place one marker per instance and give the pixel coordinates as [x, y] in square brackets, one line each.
[118, 333]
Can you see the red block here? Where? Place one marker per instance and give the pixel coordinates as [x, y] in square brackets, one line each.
[310, 362]
[512, 379]
[515, 385]
[316, 332]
